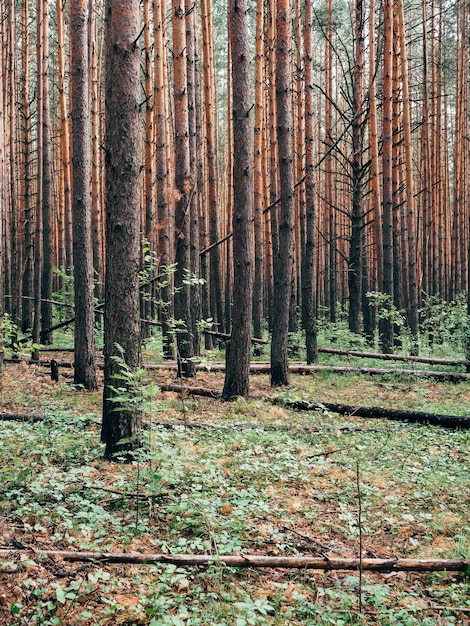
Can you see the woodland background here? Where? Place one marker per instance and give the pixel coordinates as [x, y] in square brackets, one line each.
[379, 121]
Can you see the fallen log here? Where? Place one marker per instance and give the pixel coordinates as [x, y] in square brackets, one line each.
[228, 337]
[192, 391]
[374, 412]
[394, 357]
[296, 368]
[22, 417]
[252, 560]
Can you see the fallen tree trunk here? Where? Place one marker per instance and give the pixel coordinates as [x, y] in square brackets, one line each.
[255, 560]
[421, 417]
[394, 357]
[227, 337]
[296, 368]
[192, 391]
[22, 417]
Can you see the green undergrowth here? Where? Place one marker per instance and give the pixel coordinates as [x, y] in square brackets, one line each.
[252, 478]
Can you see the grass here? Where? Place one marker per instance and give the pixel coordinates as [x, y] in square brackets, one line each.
[276, 488]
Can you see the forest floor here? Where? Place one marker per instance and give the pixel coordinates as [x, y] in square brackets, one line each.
[246, 477]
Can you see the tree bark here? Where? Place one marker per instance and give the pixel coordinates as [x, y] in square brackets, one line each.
[123, 162]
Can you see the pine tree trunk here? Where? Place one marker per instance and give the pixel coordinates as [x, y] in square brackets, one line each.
[185, 188]
[27, 278]
[238, 357]
[193, 210]
[386, 330]
[308, 257]
[358, 173]
[84, 349]
[162, 182]
[47, 185]
[2, 213]
[121, 424]
[259, 181]
[283, 261]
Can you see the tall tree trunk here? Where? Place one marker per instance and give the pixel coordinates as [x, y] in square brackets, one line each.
[65, 212]
[330, 275]
[238, 357]
[283, 262]
[84, 349]
[38, 226]
[121, 424]
[375, 195]
[308, 258]
[14, 248]
[162, 175]
[386, 328]
[26, 172]
[2, 216]
[47, 185]
[358, 173]
[148, 169]
[193, 209]
[96, 185]
[215, 267]
[410, 200]
[185, 188]
[273, 249]
[258, 194]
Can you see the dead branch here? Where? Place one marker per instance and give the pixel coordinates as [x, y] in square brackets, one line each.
[253, 560]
